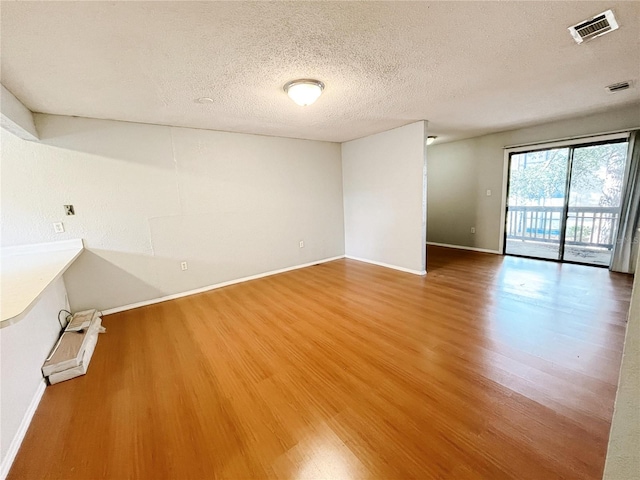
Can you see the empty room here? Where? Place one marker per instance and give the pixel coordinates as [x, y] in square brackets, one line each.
[320, 240]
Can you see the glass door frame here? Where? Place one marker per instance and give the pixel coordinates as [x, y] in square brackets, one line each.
[571, 146]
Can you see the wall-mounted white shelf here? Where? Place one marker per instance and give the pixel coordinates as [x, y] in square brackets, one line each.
[27, 270]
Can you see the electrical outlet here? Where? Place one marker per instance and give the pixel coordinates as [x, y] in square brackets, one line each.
[488, 193]
[69, 210]
[184, 266]
[301, 243]
[473, 229]
[58, 227]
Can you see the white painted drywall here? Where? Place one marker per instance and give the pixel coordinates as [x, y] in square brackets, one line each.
[148, 197]
[384, 181]
[461, 172]
[623, 455]
[15, 117]
[23, 348]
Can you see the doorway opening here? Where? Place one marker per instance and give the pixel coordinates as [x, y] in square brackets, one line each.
[563, 203]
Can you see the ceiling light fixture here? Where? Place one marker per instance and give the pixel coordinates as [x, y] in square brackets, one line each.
[204, 100]
[430, 140]
[304, 91]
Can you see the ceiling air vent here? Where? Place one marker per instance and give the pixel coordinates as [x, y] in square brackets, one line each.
[618, 87]
[598, 25]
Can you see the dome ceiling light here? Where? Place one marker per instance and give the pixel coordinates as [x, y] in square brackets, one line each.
[430, 140]
[304, 91]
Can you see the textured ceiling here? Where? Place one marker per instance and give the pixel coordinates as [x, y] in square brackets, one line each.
[468, 67]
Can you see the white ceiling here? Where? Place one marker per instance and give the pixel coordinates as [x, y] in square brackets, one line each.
[468, 67]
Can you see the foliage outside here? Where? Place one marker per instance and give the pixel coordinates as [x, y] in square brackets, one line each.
[539, 178]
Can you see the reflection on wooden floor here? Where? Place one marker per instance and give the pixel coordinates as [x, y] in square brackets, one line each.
[489, 367]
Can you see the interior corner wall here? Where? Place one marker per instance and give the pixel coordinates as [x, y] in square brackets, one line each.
[461, 172]
[623, 454]
[384, 182]
[23, 347]
[148, 197]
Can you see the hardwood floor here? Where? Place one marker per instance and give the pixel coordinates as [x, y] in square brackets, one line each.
[488, 368]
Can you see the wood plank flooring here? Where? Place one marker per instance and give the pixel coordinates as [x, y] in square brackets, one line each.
[489, 367]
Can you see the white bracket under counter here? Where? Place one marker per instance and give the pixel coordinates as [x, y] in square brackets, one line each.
[27, 270]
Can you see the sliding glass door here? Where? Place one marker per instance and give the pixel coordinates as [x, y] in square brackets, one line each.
[537, 189]
[563, 203]
[595, 196]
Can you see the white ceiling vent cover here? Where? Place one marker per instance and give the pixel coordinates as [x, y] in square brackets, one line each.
[618, 87]
[602, 23]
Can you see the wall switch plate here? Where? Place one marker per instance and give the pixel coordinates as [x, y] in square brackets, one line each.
[69, 210]
[301, 243]
[184, 266]
[488, 193]
[473, 229]
[58, 227]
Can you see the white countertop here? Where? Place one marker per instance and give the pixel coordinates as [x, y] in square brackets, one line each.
[26, 271]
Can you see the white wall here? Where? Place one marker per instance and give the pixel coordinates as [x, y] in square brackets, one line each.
[384, 197]
[623, 455]
[23, 348]
[461, 172]
[148, 197]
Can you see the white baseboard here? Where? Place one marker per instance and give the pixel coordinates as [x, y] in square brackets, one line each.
[7, 461]
[461, 247]
[213, 287]
[381, 264]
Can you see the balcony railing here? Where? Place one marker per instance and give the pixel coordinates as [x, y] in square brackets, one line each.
[586, 226]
